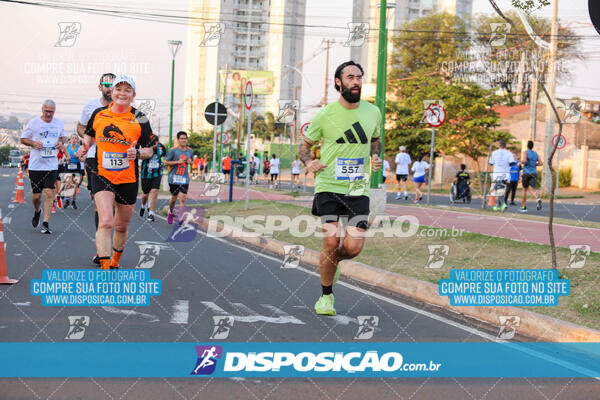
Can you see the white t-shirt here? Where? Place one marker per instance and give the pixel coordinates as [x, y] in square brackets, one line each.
[274, 165]
[47, 133]
[86, 114]
[256, 162]
[402, 162]
[419, 168]
[296, 167]
[501, 160]
[386, 167]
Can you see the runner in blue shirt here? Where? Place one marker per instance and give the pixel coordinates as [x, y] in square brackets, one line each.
[511, 190]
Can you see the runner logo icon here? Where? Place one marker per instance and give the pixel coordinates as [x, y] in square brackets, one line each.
[223, 325]
[437, 255]
[292, 255]
[579, 253]
[68, 34]
[508, 326]
[358, 33]
[77, 325]
[212, 34]
[207, 359]
[499, 32]
[186, 231]
[366, 326]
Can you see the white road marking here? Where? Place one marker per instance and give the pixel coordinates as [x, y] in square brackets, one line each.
[23, 304]
[416, 310]
[115, 310]
[11, 206]
[180, 312]
[372, 294]
[6, 220]
[252, 316]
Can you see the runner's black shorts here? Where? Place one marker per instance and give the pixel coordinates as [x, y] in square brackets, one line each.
[125, 193]
[150, 183]
[401, 177]
[331, 206]
[42, 180]
[91, 168]
[529, 180]
[176, 189]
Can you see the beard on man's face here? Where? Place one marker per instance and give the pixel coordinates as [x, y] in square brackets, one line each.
[351, 94]
[106, 95]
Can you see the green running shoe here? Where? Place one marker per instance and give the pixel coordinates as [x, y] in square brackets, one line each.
[324, 306]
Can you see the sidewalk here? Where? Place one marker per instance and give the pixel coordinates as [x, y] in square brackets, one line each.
[500, 226]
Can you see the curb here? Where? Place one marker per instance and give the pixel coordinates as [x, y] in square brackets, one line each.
[534, 325]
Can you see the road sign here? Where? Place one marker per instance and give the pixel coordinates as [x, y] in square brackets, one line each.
[435, 115]
[223, 138]
[561, 144]
[304, 128]
[249, 95]
[209, 113]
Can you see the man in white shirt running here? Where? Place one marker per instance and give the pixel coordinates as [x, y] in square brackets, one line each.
[45, 135]
[274, 170]
[91, 166]
[402, 162]
[502, 160]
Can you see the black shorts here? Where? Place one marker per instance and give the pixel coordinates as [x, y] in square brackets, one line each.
[176, 189]
[42, 180]
[150, 183]
[331, 206]
[91, 168]
[125, 193]
[529, 180]
[401, 177]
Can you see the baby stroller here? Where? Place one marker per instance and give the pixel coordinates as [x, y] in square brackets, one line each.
[461, 190]
[498, 189]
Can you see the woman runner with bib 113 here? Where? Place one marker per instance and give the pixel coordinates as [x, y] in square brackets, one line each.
[122, 135]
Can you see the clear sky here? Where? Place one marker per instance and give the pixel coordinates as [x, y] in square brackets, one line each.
[33, 68]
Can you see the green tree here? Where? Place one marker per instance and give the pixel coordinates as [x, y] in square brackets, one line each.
[468, 130]
[423, 45]
[201, 144]
[4, 152]
[499, 55]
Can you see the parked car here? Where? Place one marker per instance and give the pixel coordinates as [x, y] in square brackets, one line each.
[5, 164]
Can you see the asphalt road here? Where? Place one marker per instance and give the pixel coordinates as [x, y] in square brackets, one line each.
[210, 277]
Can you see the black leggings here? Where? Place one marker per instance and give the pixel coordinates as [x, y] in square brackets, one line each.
[511, 189]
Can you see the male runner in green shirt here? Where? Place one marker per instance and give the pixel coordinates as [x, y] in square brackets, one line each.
[349, 129]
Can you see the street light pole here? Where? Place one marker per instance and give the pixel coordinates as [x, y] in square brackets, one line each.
[174, 46]
[377, 177]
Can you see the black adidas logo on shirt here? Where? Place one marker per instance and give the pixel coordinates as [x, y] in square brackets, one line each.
[349, 136]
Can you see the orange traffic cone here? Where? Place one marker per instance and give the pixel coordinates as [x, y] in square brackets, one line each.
[4, 279]
[20, 195]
